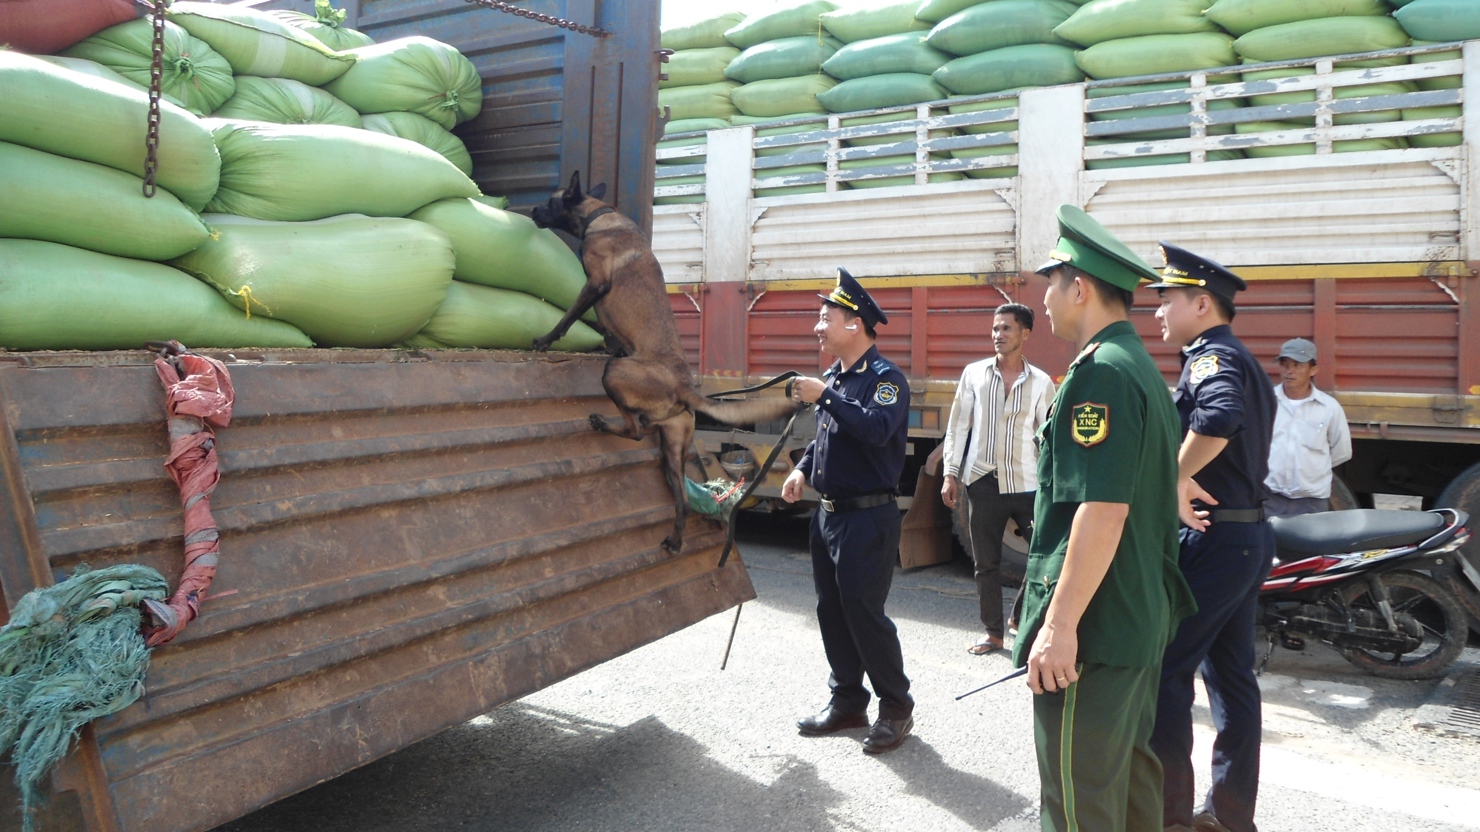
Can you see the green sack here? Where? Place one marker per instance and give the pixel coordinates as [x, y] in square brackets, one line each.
[1435, 139]
[346, 281]
[879, 91]
[55, 297]
[681, 199]
[793, 190]
[987, 153]
[415, 75]
[1315, 38]
[194, 76]
[1338, 93]
[782, 96]
[1155, 54]
[325, 25]
[790, 21]
[702, 101]
[705, 34]
[1273, 151]
[93, 69]
[934, 11]
[853, 25]
[1163, 159]
[285, 101]
[1441, 20]
[692, 67]
[1103, 20]
[497, 319]
[60, 111]
[292, 172]
[889, 138]
[1452, 82]
[891, 181]
[790, 130]
[1213, 106]
[980, 106]
[424, 132]
[1010, 68]
[784, 58]
[692, 141]
[1241, 17]
[507, 251]
[1001, 23]
[880, 56]
[689, 125]
[91, 206]
[256, 43]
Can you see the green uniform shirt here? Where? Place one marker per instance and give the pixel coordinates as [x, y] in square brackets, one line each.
[1112, 437]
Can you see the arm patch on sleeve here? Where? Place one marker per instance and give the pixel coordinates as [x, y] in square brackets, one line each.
[886, 393]
[1091, 423]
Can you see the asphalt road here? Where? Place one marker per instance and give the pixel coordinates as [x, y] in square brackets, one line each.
[663, 740]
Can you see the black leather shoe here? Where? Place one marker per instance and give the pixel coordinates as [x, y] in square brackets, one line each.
[887, 734]
[830, 721]
[1206, 822]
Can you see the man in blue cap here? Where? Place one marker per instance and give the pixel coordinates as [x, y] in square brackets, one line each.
[863, 405]
[1227, 410]
[1102, 592]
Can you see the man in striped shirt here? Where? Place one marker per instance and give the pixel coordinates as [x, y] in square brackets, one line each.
[1000, 403]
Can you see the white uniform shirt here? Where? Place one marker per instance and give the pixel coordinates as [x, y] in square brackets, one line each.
[1310, 438]
[1001, 424]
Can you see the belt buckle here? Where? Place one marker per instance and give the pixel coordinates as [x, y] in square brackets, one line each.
[827, 505]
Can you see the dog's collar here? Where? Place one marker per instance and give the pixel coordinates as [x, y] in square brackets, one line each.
[591, 217]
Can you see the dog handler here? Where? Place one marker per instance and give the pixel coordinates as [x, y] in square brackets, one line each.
[863, 405]
[1102, 592]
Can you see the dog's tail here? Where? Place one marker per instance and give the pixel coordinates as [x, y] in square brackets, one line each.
[741, 411]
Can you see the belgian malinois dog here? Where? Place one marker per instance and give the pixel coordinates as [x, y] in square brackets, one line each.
[649, 378]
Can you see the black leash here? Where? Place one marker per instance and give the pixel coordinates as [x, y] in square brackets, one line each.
[760, 474]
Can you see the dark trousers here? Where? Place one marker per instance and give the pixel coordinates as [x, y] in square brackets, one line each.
[987, 512]
[853, 557]
[1224, 566]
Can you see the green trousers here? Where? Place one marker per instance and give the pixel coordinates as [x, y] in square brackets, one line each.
[1095, 763]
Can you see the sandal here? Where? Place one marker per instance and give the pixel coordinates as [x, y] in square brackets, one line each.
[988, 644]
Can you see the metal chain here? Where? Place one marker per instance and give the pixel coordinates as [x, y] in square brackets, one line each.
[500, 5]
[156, 81]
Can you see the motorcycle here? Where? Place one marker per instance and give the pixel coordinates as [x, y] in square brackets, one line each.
[1358, 580]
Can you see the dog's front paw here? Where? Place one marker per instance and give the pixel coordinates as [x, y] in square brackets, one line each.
[672, 544]
[542, 343]
[598, 422]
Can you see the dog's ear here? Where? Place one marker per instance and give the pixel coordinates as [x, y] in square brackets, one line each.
[573, 191]
[598, 192]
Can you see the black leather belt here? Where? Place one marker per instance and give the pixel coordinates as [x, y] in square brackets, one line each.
[856, 503]
[1236, 515]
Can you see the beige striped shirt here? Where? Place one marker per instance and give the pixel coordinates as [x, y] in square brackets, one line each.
[991, 428]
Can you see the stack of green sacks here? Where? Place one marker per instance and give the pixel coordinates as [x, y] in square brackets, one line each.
[773, 97]
[1438, 21]
[300, 247]
[1271, 30]
[696, 92]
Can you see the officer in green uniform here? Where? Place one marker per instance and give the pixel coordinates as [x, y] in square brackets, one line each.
[1103, 591]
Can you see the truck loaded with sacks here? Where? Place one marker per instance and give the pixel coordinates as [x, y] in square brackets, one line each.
[384, 514]
[1324, 150]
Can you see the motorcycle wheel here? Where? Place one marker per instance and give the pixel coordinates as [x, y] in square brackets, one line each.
[1438, 611]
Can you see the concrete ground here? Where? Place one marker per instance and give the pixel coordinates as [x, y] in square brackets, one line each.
[662, 739]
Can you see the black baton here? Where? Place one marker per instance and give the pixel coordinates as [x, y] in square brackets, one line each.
[1022, 671]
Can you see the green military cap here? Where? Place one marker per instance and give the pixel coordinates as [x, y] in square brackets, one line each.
[1086, 245]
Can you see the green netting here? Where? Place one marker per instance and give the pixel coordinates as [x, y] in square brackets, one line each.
[346, 281]
[782, 96]
[707, 33]
[91, 206]
[1154, 54]
[497, 319]
[852, 25]
[1010, 68]
[195, 76]
[415, 75]
[1001, 23]
[783, 58]
[1315, 38]
[59, 111]
[791, 21]
[326, 25]
[691, 67]
[424, 132]
[70, 653]
[1441, 20]
[256, 43]
[701, 101]
[285, 101]
[1105, 20]
[716, 498]
[56, 297]
[1240, 17]
[907, 52]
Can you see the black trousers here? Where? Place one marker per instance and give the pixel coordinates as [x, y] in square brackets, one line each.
[987, 512]
[853, 557]
[1224, 566]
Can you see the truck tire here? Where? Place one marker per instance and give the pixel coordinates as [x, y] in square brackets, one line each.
[1463, 493]
[1342, 497]
[1444, 623]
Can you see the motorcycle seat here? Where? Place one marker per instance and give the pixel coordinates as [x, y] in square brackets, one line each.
[1356, 530]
